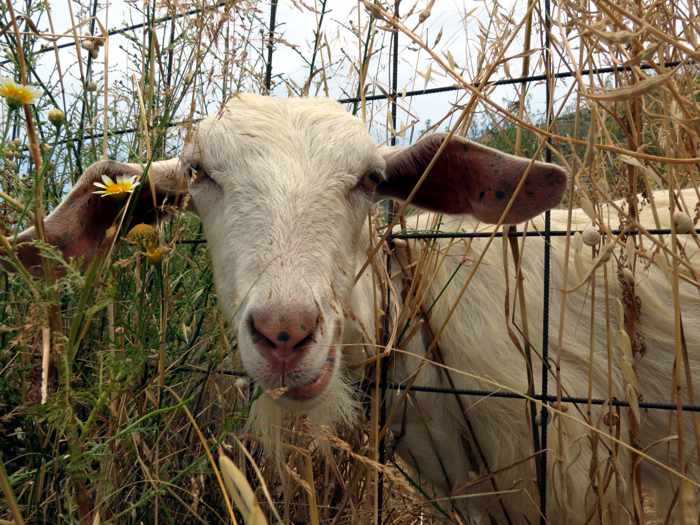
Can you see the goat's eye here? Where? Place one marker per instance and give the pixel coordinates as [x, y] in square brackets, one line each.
[197, 173]
[371, 180]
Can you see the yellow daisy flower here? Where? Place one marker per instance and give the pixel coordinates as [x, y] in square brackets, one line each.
[16, 94]
[118, 187]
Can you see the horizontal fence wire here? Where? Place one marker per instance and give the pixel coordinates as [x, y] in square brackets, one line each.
[539, 397]
[511, 81]
[418, 235]
[141, 25]
[407, 94]
[475, 392]
[529, 233]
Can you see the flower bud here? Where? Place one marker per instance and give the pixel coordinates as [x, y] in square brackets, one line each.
[143, 235]
[682, 222]
[56, 117]
[591, 236]
[156, 255]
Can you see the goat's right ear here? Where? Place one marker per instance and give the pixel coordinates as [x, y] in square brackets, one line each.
[78, 226]
[472, 179]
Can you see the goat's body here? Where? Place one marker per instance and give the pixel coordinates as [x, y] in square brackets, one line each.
[432, 431]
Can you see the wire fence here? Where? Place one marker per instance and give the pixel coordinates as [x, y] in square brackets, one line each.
[543, 396]
[404, 94]
[131, 27]
[541, 447]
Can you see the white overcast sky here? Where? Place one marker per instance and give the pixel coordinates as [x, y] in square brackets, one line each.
[296, 27]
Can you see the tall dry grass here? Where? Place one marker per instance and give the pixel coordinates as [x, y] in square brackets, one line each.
[119, 382]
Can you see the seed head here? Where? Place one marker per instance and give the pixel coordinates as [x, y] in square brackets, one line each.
[56, 117]
[682, 222]
[591, 236]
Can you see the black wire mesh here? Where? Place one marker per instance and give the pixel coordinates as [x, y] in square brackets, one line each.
[543, 397]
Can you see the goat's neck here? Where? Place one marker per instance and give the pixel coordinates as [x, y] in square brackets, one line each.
[368, 303]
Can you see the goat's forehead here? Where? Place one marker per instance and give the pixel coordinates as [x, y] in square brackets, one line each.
[310, 133]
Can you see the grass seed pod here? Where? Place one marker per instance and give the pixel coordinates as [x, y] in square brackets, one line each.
[682, 222]
[591, 236]
[56, 117]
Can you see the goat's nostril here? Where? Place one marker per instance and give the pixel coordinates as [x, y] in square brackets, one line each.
[307, 341]
[257, 336]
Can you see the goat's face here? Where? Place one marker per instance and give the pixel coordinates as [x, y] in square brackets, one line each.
[283, 188]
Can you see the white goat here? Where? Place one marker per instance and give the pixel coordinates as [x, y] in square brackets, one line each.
[284, 188]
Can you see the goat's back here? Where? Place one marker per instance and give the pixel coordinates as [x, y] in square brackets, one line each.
[591, 303]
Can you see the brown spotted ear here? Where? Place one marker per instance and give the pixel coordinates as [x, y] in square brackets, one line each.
[78, 226]
[472, 179]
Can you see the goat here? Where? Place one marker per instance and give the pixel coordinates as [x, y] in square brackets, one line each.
[284, 188]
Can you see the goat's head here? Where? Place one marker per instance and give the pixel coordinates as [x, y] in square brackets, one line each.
[283, 188]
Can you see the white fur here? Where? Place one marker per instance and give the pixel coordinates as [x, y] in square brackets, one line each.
[287, 224]
[476, 342]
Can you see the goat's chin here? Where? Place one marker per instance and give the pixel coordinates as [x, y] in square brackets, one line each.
[332, 408]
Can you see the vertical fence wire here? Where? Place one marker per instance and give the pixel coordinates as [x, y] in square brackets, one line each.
[386, 320]
[270, 46]
[544, 414]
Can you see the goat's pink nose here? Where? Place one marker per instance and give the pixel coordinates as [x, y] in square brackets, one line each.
[282, 335]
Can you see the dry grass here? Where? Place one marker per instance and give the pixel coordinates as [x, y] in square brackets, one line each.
[133, 357]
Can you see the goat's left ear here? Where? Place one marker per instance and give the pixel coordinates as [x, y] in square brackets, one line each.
[472, 179]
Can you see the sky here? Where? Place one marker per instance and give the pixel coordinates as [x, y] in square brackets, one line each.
[457, 20]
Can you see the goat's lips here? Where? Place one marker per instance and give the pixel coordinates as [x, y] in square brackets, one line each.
[318, 385]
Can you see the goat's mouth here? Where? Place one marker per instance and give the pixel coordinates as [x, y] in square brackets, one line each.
[316, 386]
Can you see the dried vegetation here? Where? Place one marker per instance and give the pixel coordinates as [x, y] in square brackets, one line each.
[116, 387]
